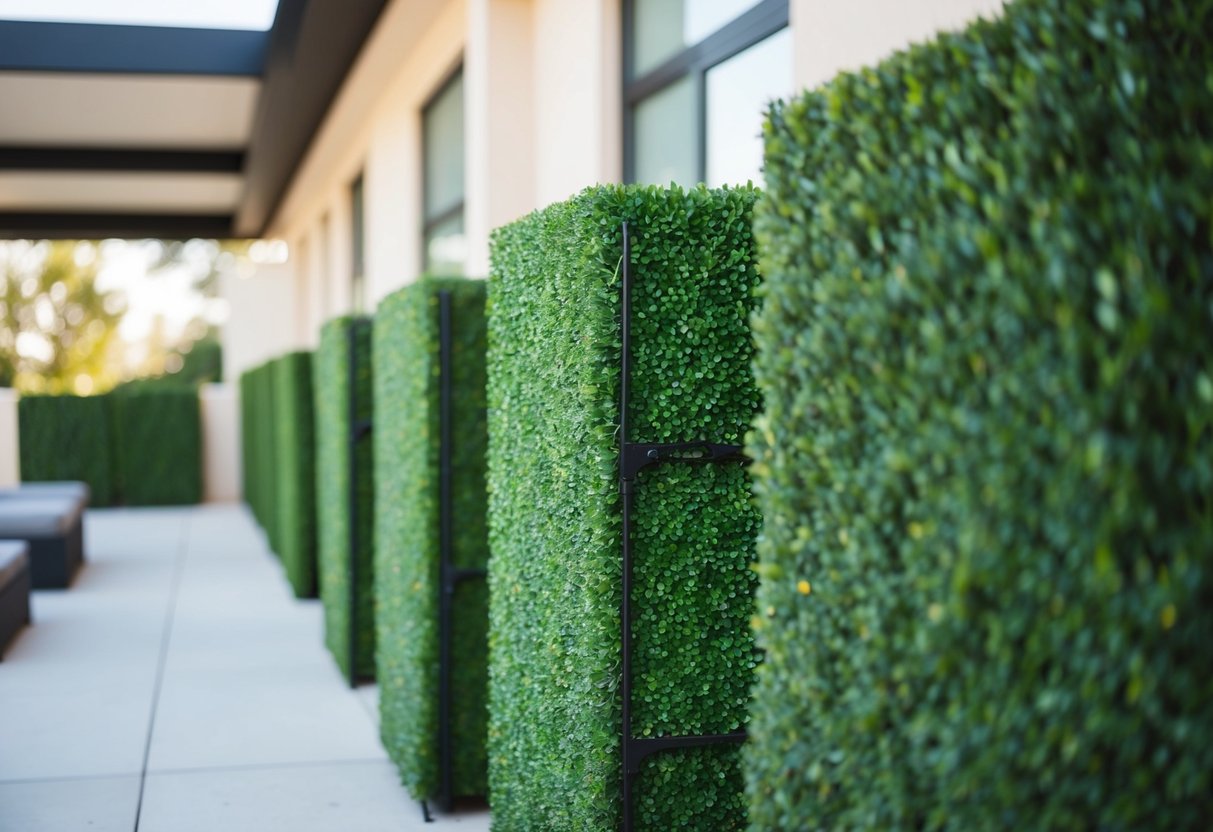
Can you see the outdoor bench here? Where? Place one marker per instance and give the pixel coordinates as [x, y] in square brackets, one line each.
[54, 528]
[14, 589]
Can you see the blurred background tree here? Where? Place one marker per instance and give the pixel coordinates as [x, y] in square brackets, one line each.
[57, 329]
[83, 317]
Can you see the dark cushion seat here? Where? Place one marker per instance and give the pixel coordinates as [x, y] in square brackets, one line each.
[14, 589]
[54, 528]
[78, 491]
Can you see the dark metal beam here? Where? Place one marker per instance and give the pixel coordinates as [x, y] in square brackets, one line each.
[312, 46]
[120, 160]
[82, 226]
[33, 46]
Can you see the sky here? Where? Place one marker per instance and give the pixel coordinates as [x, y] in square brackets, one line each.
[211, 14]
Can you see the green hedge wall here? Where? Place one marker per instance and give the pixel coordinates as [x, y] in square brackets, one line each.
[267, 450]
[258, 438]
[333, 493]
[407, 555]
[554, 515]
[248, 409]
[158, 441]
[68, 438]
[139, 446]
[987, 452]
[295, 472]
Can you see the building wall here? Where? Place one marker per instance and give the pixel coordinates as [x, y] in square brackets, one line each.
[832, 36]
[221, 460]
[543, 119]
[10, 461]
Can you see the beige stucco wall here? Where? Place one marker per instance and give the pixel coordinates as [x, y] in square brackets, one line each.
[541, 87]
[832, 36]
[221, 462]
[10, 461]
[263, 318]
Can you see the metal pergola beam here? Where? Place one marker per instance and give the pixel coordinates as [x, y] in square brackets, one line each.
[113, 160]
[34, 46]
[95, 226]
[313, 45]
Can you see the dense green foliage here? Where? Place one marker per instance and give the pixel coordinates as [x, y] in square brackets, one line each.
[987, 455]
[337, 497]
[68, 438]
[554, 518]
[259, 445]
[157, 445]
[295, 469]
[133, 447]
[407, 554]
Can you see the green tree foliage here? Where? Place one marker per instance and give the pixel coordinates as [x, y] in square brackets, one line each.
[57, 329]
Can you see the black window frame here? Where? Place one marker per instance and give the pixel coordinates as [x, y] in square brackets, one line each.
[428, 223]
[748, 29]
[358, 244]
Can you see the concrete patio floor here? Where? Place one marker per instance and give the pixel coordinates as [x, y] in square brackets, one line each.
[178, 686]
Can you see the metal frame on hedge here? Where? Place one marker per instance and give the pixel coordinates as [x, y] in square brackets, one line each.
[633, 457]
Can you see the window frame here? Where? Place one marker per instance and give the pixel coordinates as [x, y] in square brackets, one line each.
[749, 29]
[428, 223]
[358, 243]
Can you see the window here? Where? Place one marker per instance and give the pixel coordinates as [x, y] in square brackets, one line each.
[698, 76]
[444, 245]
[358, 246]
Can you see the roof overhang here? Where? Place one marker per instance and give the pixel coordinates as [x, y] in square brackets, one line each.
[144, 131]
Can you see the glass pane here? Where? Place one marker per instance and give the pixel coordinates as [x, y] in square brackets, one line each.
[663, 28]
[738, 91]
[444, 150]
[666, 136]
[446, 247]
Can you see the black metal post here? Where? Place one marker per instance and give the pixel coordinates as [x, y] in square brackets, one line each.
[352, 377]
[634, 456]
[447, 591]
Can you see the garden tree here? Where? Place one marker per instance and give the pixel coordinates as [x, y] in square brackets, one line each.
[57, 329]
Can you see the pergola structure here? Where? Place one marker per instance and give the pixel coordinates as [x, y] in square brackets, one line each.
[151, 131]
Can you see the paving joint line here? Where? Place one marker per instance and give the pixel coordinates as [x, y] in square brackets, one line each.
[170, 615]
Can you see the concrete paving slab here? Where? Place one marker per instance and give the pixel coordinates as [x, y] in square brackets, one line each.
[98, 805]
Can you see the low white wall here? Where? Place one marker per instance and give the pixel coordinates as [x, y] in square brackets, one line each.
[10, 461]
[221, 462]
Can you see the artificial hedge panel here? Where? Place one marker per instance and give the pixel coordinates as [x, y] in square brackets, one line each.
[407, 553]
[267, 451]
[248, 472]
[341, 502]
[987, 452]
[295, 472]
[158, 445]
[67, 438]
[554, 518]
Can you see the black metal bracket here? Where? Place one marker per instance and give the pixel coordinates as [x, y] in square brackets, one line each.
[642, 748]
[634, 457]
[640, 455]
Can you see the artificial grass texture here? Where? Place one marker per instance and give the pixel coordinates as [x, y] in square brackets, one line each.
[157, 436]
[987, 452]
[68, 438]
[341, 502]
[407, 553]
[295, 474]
[554, 510]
